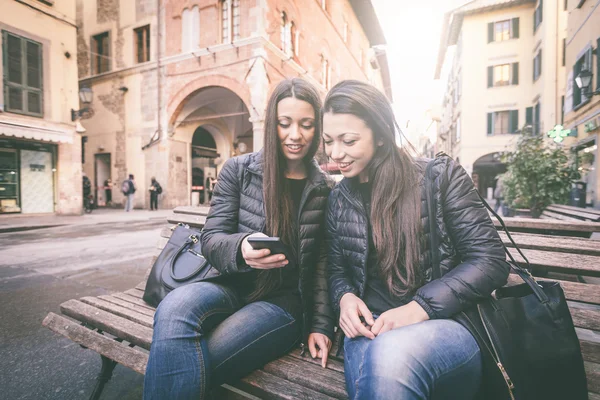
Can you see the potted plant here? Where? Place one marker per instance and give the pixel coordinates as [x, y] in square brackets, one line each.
[538, 174]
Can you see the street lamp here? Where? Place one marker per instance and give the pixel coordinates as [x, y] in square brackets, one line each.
[584, 80]
[85, 96]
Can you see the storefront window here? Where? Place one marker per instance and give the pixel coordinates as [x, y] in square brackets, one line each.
[9, 181]
[27, 176]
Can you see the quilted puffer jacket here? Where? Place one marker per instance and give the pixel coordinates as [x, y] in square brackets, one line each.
[472, 259]
[237, 210]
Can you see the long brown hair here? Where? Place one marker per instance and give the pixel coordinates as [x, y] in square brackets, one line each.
[276, 191]
[396, 197]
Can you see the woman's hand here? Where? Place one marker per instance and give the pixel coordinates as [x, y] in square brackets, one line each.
[411, 313]
[351, 309]
[261, 259]
[322, 342]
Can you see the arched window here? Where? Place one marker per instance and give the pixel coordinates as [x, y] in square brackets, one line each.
[195, 29]
[325, 72]
[283, 32]
[186, 19]
[190, 29]
[294, 38]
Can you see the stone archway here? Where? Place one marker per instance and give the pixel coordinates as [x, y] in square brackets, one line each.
[485, 173]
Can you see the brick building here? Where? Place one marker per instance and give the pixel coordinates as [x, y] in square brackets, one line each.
[181, 86]
[40, 153]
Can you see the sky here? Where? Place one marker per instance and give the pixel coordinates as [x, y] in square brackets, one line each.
[412, 30]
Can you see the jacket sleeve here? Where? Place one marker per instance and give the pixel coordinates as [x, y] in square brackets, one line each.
[483, 267]
[323, 316]
[221, 241]
[337, 276]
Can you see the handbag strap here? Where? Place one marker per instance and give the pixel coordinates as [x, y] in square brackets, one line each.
[192, 239]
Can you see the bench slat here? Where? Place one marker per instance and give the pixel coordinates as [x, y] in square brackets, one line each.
[560, 262]
[592, 372]
[129, 357]
[593, 396]
[331, 363]
[137, 293]
[120, 327]
[191, 210]
[309, 375]
[124, 312]
[196, 222]
[543, 224]
[573, 208]
[133, 300]
[561, 217]
[267, 386]
[559, 244]
[142, 310]
[577, 213]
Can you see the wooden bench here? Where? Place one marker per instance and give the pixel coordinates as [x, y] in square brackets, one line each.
[119, 326]
[570, 213]
[575, 228]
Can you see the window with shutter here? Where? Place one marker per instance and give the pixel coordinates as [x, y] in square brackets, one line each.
[490, 123]
[515, 74]
[490, 32]
[514, 31]
[598, 64]
[490, 82]
[529, 116]
[514, 121]
[23, 89]
[142, 43]
[101, 53]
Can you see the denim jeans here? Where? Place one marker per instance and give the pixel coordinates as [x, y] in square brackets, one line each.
[129, 202]
[205, 335]
[436, 359]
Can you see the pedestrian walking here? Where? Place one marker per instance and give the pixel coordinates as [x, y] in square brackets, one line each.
[128, 188]
[155, 190]
[108, 191]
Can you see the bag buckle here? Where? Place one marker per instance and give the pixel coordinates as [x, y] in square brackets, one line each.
[194, 239]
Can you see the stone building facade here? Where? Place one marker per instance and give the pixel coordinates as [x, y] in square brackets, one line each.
[181, 86]
[40, 152]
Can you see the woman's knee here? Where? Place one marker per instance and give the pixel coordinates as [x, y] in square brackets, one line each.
[190, 302]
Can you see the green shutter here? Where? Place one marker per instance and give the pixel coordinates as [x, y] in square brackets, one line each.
[490, 32]
[564, 52]
[540, 63]
[490, 123]
[541, 11]
[515, 28]
[598, 64]
[490, 82]
[529, 116]
[515, 73]
[513, 121]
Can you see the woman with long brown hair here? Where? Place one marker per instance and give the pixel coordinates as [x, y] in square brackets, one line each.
[262, 304]
[401, 342]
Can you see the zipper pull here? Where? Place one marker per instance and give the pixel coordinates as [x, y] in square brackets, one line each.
[506, 377]
[302, 349]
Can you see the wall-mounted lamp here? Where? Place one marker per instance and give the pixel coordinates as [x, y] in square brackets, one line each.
[85, 96]
[124, 89]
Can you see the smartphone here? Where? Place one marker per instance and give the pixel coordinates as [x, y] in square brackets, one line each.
[272, 243]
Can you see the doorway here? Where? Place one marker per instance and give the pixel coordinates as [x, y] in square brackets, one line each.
[102, 180]
[204, 153]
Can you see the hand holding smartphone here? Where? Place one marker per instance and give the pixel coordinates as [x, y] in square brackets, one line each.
[263, 252]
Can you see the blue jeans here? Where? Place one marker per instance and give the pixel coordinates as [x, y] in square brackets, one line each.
[205, 335]
[437, 359]
[129, 202]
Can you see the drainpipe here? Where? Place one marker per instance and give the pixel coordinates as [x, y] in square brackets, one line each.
[158, 72]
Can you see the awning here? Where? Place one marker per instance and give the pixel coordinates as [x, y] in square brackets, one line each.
[28, 131]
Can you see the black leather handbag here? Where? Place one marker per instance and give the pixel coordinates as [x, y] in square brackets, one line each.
[180, 263]
[525, 333]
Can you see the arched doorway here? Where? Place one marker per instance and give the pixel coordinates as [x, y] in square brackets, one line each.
[485, 172]
[204, 167]
[214, 123]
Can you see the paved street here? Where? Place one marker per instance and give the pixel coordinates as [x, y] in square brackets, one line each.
[39, 269]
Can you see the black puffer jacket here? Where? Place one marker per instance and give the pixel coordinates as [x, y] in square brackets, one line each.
[472, 260]
[237, 210]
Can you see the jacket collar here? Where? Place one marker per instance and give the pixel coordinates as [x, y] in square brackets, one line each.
[315, 175]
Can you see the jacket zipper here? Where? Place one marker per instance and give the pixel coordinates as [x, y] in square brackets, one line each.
[509, 382]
